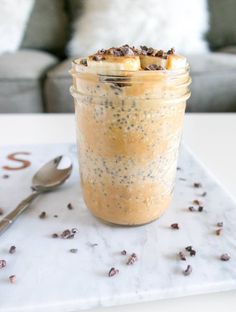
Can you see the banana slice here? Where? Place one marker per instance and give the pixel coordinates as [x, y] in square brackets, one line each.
[175, 61]
[106, 64]
[147, 60]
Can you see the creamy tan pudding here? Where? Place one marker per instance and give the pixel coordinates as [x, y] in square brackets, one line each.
[129, 106]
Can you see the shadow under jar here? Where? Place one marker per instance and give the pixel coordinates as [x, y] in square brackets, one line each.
[129, 127]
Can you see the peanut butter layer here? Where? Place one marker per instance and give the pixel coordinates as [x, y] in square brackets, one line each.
[138, 204]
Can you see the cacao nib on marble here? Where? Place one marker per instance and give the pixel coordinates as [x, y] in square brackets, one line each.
[188, 248]
[188, 270]
[192, 252]
[197, 184]
[132, 259]
[12, 249]
[70, 206]
[113, 272]
[65, 233]
[73, 250]
[3, 263]
[175, 226]
[182, 256]
[43, 215]
[12, 279]
[74, 230]
[225, 257]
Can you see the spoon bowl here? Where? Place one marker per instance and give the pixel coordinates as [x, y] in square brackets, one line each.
[52, 174]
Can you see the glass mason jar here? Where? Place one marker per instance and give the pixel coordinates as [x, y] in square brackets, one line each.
[129, 127]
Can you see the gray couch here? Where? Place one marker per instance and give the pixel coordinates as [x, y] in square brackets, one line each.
[36, 78]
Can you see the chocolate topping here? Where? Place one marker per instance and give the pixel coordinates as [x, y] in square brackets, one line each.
[84, 62]
[160, 53]
[126, 50]
[97, 58]
[144, 48]
[171, 51]
[151, 51]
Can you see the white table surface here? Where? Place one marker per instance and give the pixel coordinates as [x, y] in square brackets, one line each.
[210, 136]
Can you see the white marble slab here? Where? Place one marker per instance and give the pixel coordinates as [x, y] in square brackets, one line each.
[50, 278]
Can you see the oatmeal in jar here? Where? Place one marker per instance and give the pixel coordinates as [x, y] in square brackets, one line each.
[129, 106]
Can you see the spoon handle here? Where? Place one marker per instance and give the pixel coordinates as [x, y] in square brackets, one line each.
[8, 219]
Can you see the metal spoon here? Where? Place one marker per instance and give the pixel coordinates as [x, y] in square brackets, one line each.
[47, 178]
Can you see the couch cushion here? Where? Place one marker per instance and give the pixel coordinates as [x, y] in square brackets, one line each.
[75, 8]
[213, 86]
[213, 82]
[228, 49]
[222, 30]
[56, 90]
[21, 76]
[47, 28]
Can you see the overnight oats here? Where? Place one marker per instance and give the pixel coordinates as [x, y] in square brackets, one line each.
[129, 106]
